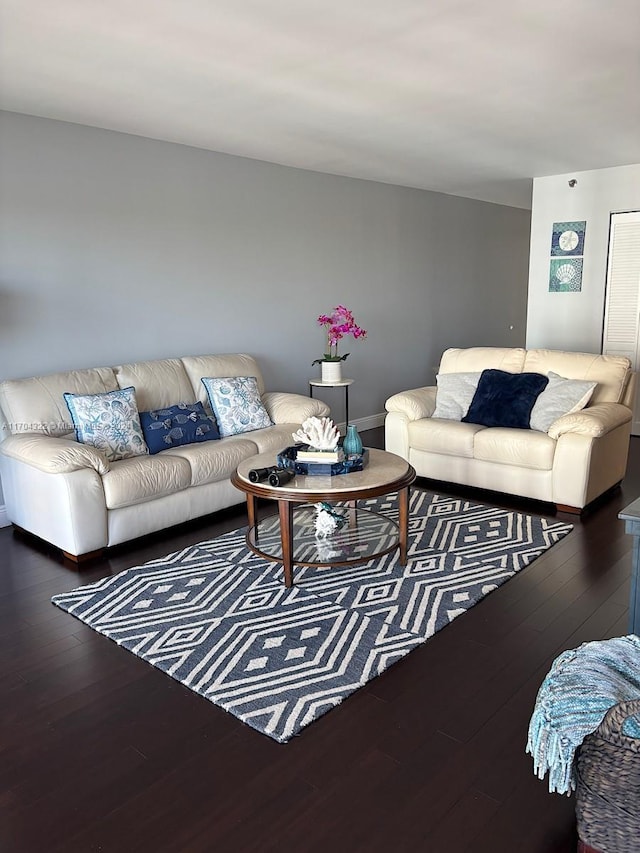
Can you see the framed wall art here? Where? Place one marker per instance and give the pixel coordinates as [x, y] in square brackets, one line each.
[565, 275]
[567, 255]
[567, 238]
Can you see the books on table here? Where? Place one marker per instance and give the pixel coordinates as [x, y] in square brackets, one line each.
[326, 456]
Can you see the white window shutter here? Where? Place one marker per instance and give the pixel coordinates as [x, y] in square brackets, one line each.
[622, 310]
[623, 287]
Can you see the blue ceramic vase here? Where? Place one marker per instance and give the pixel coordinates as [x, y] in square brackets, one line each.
[352, 443]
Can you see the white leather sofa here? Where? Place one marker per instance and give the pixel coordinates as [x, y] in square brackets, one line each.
[581, 456]
[70, 495]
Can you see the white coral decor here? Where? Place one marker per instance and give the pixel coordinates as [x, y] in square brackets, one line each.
[325, 523]
[320, 433]
[327, 520]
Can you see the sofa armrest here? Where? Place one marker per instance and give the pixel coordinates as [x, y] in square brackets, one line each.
[415, 404]
[53, 455]
[594, 421]
[286, 408]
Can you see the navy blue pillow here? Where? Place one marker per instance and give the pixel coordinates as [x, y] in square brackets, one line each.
[505, 399]
[174, 426]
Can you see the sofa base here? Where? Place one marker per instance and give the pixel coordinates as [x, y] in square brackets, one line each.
[572, 510]
[584, 469]
[50, 547]
[485, 495]
[77, 561]
[83, 558]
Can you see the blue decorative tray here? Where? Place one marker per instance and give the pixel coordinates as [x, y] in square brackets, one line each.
[354, 462]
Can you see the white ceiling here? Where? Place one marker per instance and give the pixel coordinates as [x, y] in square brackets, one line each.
[468, 98]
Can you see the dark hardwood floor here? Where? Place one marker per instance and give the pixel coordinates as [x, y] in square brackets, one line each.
[101, 752]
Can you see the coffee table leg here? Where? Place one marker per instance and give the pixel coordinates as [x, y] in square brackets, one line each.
[403, 523]
[285, 511]
[252, 515]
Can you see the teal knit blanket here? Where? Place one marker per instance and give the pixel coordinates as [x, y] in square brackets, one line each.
[579, 689]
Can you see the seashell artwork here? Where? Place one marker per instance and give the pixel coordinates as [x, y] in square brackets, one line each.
[320, 433]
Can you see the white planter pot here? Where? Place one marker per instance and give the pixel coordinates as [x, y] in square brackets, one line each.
[331, 371]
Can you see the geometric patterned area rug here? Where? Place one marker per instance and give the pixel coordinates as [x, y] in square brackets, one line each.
[218, 618]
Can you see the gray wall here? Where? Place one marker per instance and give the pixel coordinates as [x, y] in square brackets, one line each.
[117, 248]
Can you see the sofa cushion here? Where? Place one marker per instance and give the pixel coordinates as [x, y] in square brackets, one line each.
[159, 383]
[236, 404]
[273, 439]
[482, 358]
[53, 454]
[611, 372]
[594, 421]
[185, 423]
[219, 366]
[441, 436]
[37, 404]
[504, 446]
[454, 395]
[108, 421]
[284, 407]
[505, 399]
[415, 404]
[560, 397]
[143, 478]
[209, 466]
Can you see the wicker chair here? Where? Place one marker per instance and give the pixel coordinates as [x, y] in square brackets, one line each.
[608, 786]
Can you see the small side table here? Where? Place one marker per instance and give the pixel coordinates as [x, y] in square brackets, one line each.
[631, 517]
[344, 383]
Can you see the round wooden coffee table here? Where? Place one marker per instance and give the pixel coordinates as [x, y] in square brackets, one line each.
[290, 537]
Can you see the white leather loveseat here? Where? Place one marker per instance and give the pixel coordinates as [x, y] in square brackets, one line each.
[69, 494]
[581, 455]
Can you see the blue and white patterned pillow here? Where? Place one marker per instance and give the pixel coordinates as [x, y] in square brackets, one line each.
[109, 422]
[236, 403]
[174, 426]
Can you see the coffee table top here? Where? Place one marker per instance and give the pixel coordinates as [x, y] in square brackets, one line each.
[385, 473]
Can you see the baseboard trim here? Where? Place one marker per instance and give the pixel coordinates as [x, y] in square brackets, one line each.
[4, 518]
[370, 422]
